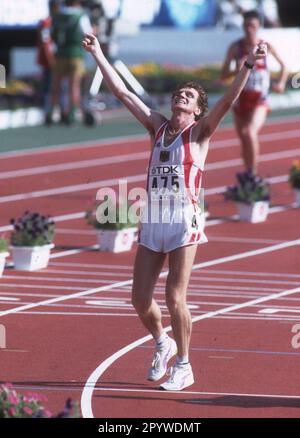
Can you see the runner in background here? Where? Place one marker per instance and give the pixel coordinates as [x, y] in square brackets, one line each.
[251, 109]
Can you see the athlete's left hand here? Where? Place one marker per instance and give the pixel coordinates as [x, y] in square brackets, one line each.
[278, 87]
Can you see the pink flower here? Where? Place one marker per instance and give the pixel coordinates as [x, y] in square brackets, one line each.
[32, 396]
[27, 410]
[13, 398]
[11, 412]
[6, 387]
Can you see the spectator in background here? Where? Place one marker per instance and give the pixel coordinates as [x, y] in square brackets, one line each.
[230, 15]
[68, 28]
[45, 54]
[231, 12]
[268, 10]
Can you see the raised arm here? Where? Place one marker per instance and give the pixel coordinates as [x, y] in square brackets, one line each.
[225, 70]
[148, 118]
[218, 112]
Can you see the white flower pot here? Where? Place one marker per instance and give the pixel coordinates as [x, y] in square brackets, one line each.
[116, 240]
[297, 197]
[3, 256]
[31, 258]
[254, 213]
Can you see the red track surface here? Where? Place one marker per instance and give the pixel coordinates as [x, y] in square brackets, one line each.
[243, 360]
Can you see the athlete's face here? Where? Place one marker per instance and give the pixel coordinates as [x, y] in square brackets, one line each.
[186, 99]
[251, 27]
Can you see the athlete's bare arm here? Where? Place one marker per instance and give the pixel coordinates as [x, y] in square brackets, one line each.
[210, 123]
[226, 71]
[150, 119]
[280, 84]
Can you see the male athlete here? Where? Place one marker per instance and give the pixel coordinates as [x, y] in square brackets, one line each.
[251, 108]
[179, 149]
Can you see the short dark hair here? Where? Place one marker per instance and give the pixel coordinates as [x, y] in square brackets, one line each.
[202, 96]
[252, 15]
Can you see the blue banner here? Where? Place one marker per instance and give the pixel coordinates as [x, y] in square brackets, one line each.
[186, 14]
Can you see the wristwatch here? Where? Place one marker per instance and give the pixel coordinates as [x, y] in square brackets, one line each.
[249, 66]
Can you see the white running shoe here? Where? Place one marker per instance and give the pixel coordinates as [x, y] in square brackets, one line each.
[160, 361]
[181, 377]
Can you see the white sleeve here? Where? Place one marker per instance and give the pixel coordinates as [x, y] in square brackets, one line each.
[85, 24]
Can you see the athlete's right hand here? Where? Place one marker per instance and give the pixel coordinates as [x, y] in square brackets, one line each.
[91, 44]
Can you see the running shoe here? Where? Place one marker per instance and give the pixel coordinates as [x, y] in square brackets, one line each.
[181, 376]
[160, 361]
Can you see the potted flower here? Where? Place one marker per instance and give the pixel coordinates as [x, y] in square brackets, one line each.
[3, 254]
[31, 241]
[252, 197]
[294, 179]
[31, 405]
[115, 225]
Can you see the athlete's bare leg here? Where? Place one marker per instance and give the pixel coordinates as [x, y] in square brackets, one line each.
[147, 267]
[55, 92]
[75, 81]
[248, 128]
[180, 265]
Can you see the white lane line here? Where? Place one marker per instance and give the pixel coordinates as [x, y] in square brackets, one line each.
[110, 302]
[143, 137]
[137, 178]
[60, 218]
[250, 273]
[240, 317]
[263, 158]
[264, 138]
[93, 265]
[184, 393]
[9, 299]
[69, 252]
[71, 188]
[107, 142]
[53, 168]
[235, 217]
[65, 297]
[209, 223]
[234, 257]
[86, 397]
[76, 231]
[221, 189]
[56, 279]
[247, 254]
[242, 240]
[244, 280]
[88, 273]
[139, 156]
[154, 391]
[41, 286]
[272, 311]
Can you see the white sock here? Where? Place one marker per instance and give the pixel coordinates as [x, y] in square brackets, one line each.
[162, 340]
[182, 360]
